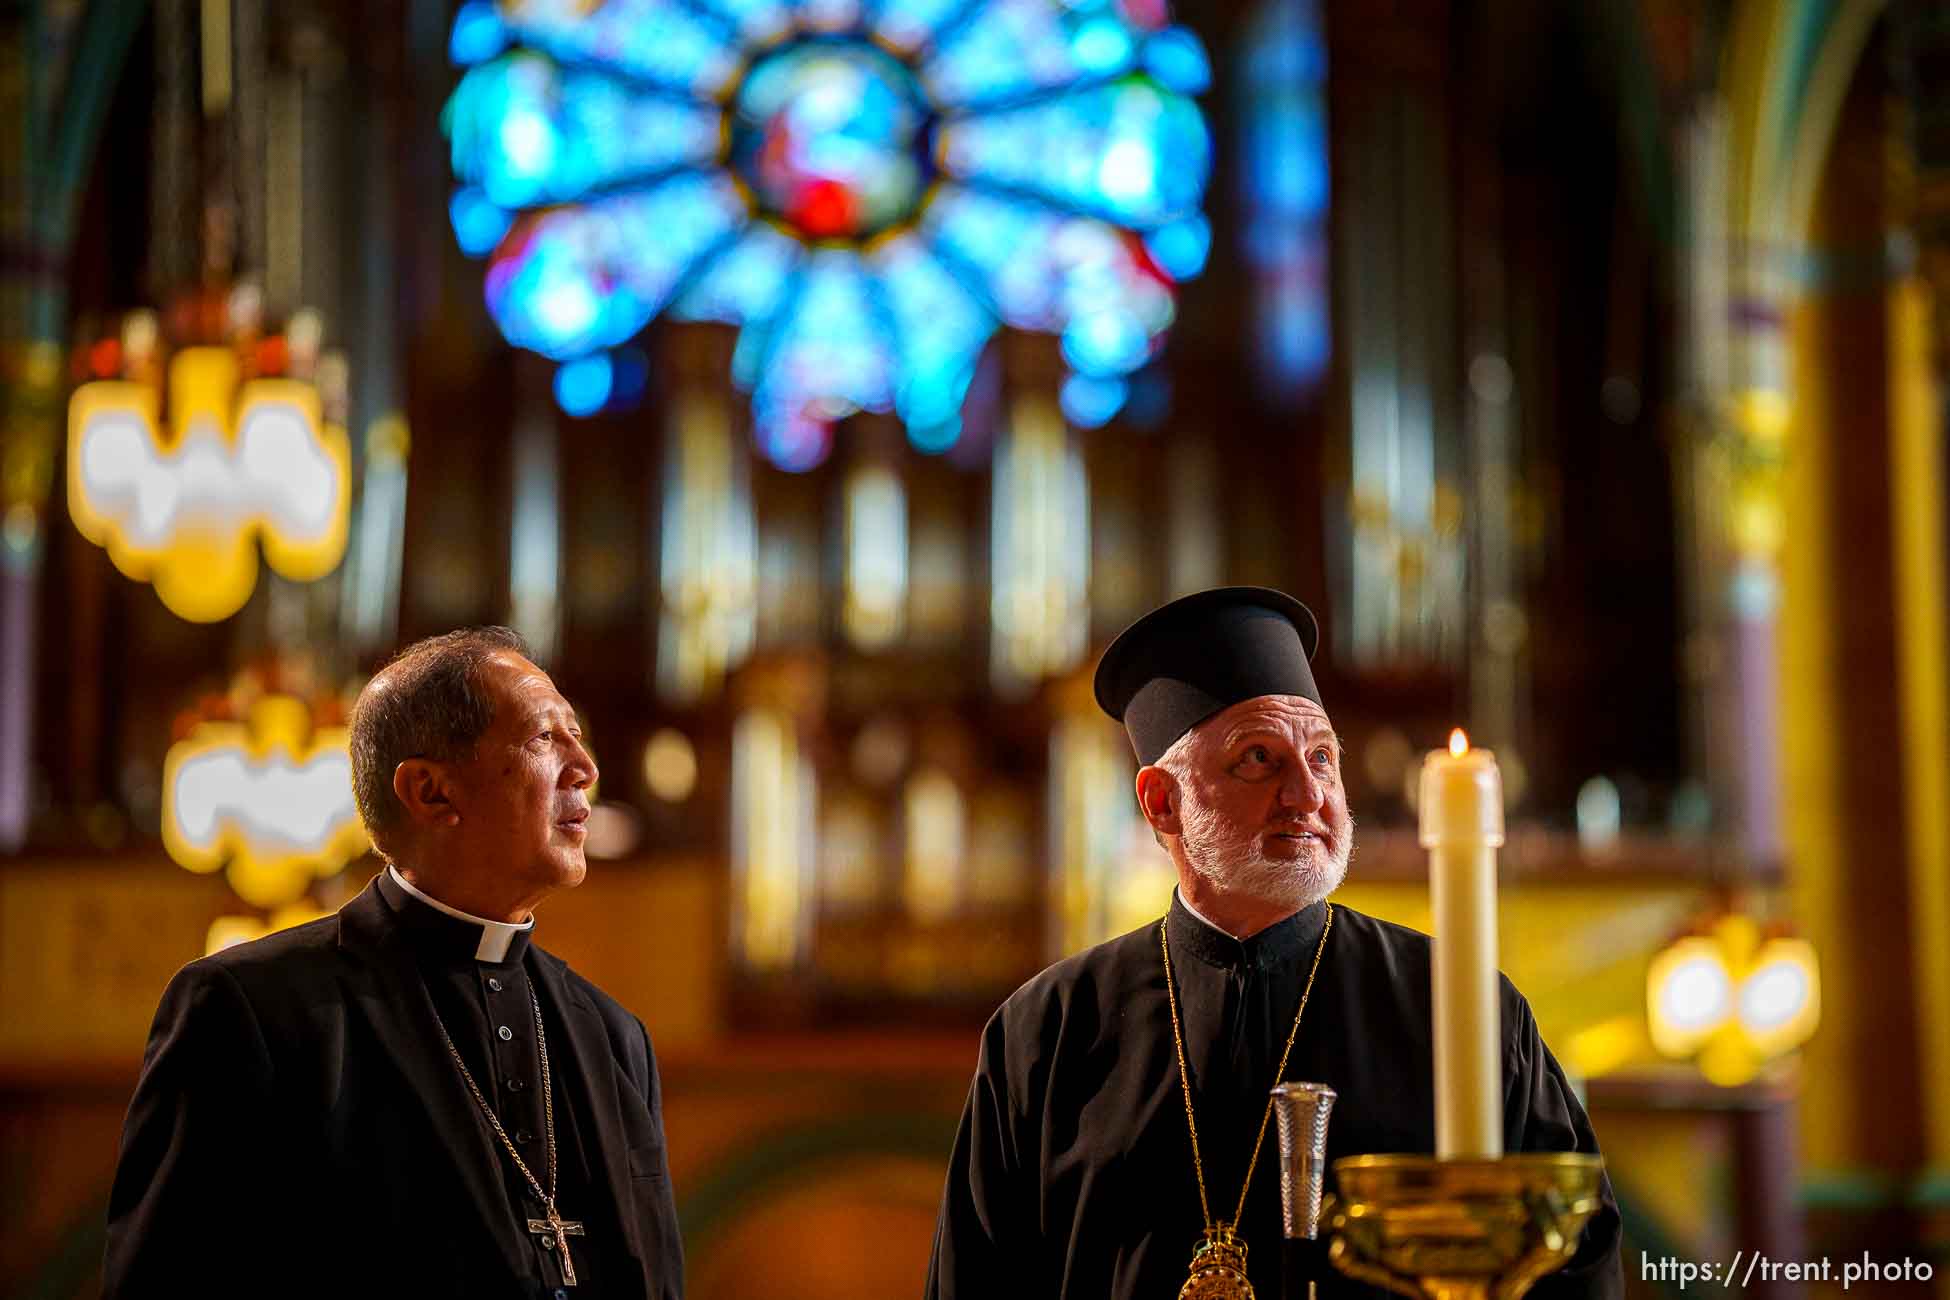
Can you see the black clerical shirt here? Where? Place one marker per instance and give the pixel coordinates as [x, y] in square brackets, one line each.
[297, 1100]
[1072, 1170]
[487, 1010]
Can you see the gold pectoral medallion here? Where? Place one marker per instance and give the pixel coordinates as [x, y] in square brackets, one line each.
[1218, 1269]
[1219, 1263]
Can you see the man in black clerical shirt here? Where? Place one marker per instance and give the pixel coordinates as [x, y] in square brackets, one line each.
[1073, 1173]
[410, 1098]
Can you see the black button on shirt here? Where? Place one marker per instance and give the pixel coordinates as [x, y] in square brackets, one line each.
[498, 1044]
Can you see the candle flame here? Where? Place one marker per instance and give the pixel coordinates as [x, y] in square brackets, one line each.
[1458, 742]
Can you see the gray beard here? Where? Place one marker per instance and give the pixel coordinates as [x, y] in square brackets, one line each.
[1231, 861]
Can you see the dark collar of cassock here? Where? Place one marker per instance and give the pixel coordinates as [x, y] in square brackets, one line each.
[1276, 948]
[447, 934]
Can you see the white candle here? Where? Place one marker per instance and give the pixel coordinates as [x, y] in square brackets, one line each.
[1462, 828]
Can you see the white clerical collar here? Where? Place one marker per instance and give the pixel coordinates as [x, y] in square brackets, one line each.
[495, 935]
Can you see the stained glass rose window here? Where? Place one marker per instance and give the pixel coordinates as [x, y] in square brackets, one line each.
[869, 192]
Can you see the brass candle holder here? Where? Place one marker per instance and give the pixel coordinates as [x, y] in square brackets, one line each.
[1460, 1229]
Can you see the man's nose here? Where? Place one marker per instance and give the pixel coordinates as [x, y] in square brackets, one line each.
[1301, 788]
[583, 768]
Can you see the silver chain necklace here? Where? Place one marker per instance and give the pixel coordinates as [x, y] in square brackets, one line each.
[553, 1229]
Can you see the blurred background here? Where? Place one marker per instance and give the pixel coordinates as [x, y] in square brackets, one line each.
[819, 386]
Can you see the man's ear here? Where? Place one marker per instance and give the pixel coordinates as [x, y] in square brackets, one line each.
[421, 785]
[1157, 795]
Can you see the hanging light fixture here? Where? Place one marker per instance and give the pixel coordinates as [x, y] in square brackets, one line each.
[259, 786]
[244, 448]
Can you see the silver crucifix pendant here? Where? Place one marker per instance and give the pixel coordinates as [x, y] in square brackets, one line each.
[555, 1232]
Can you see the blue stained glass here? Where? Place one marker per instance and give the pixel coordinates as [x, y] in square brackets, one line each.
[1002, 241]
[582, 278]
[1294, 337]
[941, 328]
[1149, 399]
[1105, 341]
[792, 440]
[663, 42]
[746, 283]
[827, 135]
[757, 22]
[1286, 148]
[1089, 401]
[478, 33]
[829, 355]
[1150, 15]
[582, 386]
[921, 172]
[479, 223]
[826, 357]
[829, 15]
[1012, 47]
[1284, 46]
[1109, 299]
[632, 377]
[1180, 249]
[936, 438]
[559, 304]
[909, 25]
[1128, 151]
[1286, 192]
[529, 132]
[1044, 271]
[1102, 46]
[1177, 59]
[601, 381]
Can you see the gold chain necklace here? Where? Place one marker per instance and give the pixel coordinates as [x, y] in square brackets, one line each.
[553, 1230]
[1219, 1262]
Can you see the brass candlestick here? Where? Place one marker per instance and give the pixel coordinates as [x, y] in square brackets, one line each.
[1460, 1229]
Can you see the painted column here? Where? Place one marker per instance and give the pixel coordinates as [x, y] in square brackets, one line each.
[1919, 365]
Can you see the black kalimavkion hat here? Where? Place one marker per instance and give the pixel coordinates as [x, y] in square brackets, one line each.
[1184, 662]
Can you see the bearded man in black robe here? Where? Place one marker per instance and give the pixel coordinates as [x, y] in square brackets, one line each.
[410, 1098]
[1073, 1173]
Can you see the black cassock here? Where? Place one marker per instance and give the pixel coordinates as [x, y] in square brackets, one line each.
[1072, 1168]
[300, 1129]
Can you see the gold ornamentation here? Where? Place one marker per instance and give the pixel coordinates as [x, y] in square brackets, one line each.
[1461, 1229]
[1218, 1270]
[1219, 1263]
